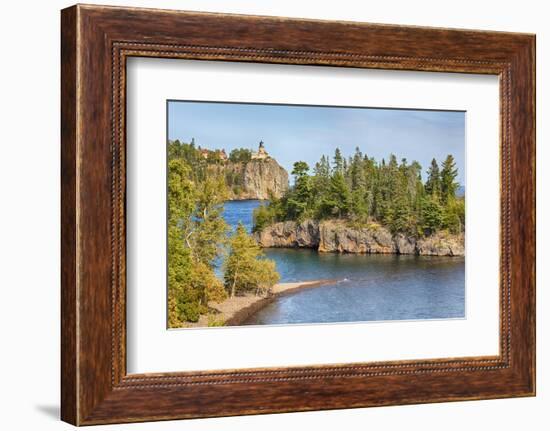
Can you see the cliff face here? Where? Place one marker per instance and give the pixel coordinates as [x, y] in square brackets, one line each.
[290, 234]
[337, 236]
[261, 177]
[254, 179]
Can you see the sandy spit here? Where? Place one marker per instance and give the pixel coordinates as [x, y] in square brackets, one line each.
[234, 311]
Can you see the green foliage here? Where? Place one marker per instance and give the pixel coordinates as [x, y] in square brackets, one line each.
[401, 217]
[433, 184]
[210, 227]
[181, 195]
[338, 202]
[186, 302]
[206, 163]
[240, 155]
[266, 275]
[338, 162]
[364, 192]
[246, 269]
[357, 189]
[196, 233]
[432, 214]
[214, 322]
[449, 173]
[263, 216]
[298, 200]
[188, 152]
[454, 215]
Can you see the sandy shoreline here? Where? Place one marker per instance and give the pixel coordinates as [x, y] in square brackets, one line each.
[280, 288]
[234, 311]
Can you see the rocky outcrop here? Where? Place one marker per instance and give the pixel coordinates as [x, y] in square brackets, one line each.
[290, 234]
[441, 245]
[255, 179]
[338, 236]
[262, 177]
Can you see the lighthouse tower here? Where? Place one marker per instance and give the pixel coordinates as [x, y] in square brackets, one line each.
[261, 154]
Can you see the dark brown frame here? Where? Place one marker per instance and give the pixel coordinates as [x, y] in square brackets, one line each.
[95, 43]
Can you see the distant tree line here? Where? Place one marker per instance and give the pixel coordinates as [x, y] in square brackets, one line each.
[199, 239]
[240, 155]
[363, 191]
[213, 164]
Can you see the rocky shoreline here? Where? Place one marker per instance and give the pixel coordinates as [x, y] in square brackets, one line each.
[340, 237]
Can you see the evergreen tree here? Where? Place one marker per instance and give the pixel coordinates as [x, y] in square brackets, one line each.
[449, 173]
[401, 214]
[320, 185]
[300, 197]
[360, 190]
[453, 215]
[263, 216]
[433, 184]
[183, 301]
[266, 275]
[339, 197]
[240, 155]
[322, 168]
[360, 197]
[357, 174]
[206, 285]
[245, 270]
[432, 214]
[338, 162]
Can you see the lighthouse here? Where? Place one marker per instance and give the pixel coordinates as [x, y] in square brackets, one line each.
[261, 154]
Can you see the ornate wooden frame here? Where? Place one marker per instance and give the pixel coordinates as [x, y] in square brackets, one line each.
[95, 43]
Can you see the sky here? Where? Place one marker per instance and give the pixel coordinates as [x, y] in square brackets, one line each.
[294, 132]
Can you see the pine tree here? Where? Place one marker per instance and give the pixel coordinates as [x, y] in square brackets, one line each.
[245, 268]
[433, 183]
[449, 173]
[300, 198]
[339, 197]
[183, 300]
[432, 214]
[401, 214]
[359, 190]
[453, 215]
[263, 215]
[266, 275]
[206, 285]
[360, 200]
[320, 184]
[338, 162]
[357, 174]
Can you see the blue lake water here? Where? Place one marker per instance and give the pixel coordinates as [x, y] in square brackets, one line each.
[369, 287]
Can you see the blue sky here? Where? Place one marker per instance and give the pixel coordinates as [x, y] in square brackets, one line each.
[292, 132]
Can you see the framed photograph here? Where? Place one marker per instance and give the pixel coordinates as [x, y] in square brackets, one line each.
[266, 215]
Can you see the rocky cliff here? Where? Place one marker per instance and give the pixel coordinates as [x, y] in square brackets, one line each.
[254, 179]
[338, 236]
